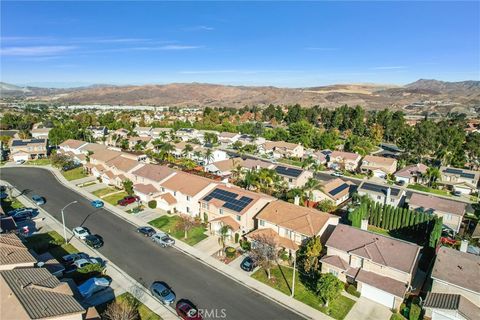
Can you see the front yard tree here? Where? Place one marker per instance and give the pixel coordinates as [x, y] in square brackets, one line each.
[121, 310]
[186, 223]
[329, 287]
[326, 205]
[224, 234]
[308, 258]
[264, 251]
[436, 232]
[128, 186]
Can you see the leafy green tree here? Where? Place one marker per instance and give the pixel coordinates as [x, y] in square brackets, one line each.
[326, 205]
[415, 312]
[329, 287]
[308, 259]
[436, 232]
[301, 132]
[128, 186]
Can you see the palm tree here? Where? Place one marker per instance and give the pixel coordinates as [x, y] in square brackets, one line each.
[197, 155]
[209, 157]
[308, 162]
[163, 135]
[187, 150]
[310, 185]
[166, 151]
[237, 172]
[224, 234]
[432, 175]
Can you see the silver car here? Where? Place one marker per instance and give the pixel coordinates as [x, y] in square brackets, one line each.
[163, 239]
[162, 292]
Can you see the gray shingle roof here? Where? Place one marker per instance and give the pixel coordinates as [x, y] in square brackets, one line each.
[13, 251]
[448, 301]
[40, 293]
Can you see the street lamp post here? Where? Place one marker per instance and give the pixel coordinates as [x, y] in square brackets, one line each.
[63, 220]
[293, 278]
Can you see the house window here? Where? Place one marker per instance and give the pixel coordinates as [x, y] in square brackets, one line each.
[220, 211]
[188, 209]
[239, 218]
[290, 180]
[188, 198]
[392, 200]
[379, 197]
[163, 189]
[261, 223]
[175, 193]
[334, 272]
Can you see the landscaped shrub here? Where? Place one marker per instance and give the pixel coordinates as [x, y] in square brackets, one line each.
[245, 245]
[353, 291]
[152, 204]
[415, 311]
[284, 255]
[230, 252]
[237, 236]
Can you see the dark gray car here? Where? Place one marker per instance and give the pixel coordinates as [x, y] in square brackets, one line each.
[162, 292]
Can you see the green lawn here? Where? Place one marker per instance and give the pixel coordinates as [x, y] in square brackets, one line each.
[51, 241]
[74, 174]
[354, 175]
[39, 162]
[379, 230]
[113, 199]
[290, 162]
[281, 280]
[8, 205]
[101, 192]
[144, 313]
[420, 187]
[168, 224]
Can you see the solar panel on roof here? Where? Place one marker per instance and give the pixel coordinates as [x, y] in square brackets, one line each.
[460, 172]
[18, 143]
[339, 189]
[230, 199]
[285, 171]
[380, 189]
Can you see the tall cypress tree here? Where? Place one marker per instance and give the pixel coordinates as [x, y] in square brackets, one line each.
[412, 218]
[408, 216]
[396, 217]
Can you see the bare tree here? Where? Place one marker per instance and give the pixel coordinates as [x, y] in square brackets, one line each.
[264, 251]
[186, 223]
[121, 310]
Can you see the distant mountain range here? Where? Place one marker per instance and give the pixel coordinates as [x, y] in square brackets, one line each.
[421, 95]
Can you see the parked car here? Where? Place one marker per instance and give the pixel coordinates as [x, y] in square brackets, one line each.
[457, 193]
[146, 231]
[81, 232]
[38, 200]
[20, 161]
[162, 292]
[400, 182]
[3, 195]
[71, 258]
[163, 239]
[97, 203]
[187, 310]
[94, 241]
[127, 200]
[448, 240]
[92, 286]
[81, 263]
[247, 264]
[11, 213]
[23, 216]
[337, 174]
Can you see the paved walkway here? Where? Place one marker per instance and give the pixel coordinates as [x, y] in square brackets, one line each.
[83, 180]
[209, 245]
[242, 278]
[95, 187]
[368, 309]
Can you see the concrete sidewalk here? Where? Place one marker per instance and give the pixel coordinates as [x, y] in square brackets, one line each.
[238, 275]
[121, 282]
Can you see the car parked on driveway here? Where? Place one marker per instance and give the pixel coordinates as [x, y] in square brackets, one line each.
[247, 264]
[16, 211]
[187, 310]
[81, 263]
[146, 231]
[97, 203]
[163, 239]
[38, 200]
[94, 241]
[162, 292]
[71, 258]
[23, 216]
[127, 200]
[81, 232]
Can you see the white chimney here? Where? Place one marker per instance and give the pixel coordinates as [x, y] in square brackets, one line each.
[296, 200]
[364, 224]
[464, 246]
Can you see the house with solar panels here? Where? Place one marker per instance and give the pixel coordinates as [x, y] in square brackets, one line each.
[385, 195]
[233, 206]
[27, 149]
[336, 190]
[460, 180]
[295, 177]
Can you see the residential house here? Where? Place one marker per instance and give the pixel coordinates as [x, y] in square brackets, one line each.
[143, 142]
[233, 206]
[282, 149]
[34, 293]
[411, 174]
[341, 160]
[120, 168]
[40, 133]
[380, 167]
[157, 132]
[295, 177]
[290, 225]
[98, 132]
[335, 190]
[386, 195]
[451, 211]
[14, 254]
[255, 164]
[189, 133]
[28, 149]
[116, 136]
[461, 180]
[217, 155]
[187, 189]
[72, 146]
[227, 138]
[143, 131]
[147, 180]
[224, 168]
[455, 290]
[321, 156]
[180, 146]
[382, 267]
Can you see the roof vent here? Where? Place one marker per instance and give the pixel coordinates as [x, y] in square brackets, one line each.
[460, 267]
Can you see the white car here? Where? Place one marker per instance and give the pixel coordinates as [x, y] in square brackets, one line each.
[85, 262]
[81, 232]
[163, 239]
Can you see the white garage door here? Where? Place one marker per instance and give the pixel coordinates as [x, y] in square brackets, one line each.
[438, 315]
[377, 295]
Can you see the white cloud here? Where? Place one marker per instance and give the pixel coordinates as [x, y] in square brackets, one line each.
[35, 50]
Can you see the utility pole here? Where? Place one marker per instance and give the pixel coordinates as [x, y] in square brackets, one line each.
[63, 221]
[293, 278]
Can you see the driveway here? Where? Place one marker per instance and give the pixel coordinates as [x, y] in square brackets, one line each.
[368, 309]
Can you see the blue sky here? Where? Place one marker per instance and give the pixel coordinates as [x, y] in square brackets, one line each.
[285, 44]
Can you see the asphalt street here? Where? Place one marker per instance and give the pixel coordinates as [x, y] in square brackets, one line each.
[142, 259]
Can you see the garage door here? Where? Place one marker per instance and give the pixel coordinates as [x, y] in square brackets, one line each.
[438, 315]
[377, 295]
